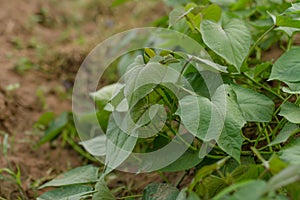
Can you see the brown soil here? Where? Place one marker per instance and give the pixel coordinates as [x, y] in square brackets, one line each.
[54, 37]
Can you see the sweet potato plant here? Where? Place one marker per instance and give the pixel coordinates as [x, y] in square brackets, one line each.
[252, 150]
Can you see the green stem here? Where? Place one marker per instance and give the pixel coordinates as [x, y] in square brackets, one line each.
[164, 177]
[250, 153]
[268, 139]
[263, 86]
[78, 148]
[257, 42]
[259, 135]
[259, 156]
[183, 140]
[181, 179]
[130, 197]
[290, 43]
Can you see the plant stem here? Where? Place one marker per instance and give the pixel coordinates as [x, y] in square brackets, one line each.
[164, 177]
[290, 43]
[259, 135]
[257, 42]
[179, 136]
[263, 86]
[181, 179]
[259, 156]
[268, 139]
[132, 196]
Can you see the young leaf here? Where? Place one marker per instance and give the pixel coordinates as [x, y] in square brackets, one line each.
[287, 67]
[79, 175]
[288, 130]
[55, 128]
[103, 95]
[291, 112]
[74, 192]
[231, 40]
[212, 12]
[256, 107]
[177, 14]
[159, 191]
[102, 191]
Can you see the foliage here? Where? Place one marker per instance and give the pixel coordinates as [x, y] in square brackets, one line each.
[256, 155]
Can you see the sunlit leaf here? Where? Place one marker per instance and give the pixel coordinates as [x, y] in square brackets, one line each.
[231, 40]
[79, 175]
[73, 192]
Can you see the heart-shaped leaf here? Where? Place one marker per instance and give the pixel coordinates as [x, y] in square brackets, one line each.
[231, 40]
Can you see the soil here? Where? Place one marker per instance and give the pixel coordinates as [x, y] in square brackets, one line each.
[51, 39]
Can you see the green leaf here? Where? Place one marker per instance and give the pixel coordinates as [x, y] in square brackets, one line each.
[290, 90]
[96, 145]
[231, 40]
[224, 2]
[288, 130]
[241, 191]
[230, 139]
[276, 164]
[205, 119]
[102, 191]
[177, 14]
[54, 128]
[119, 145]
[203, 64]
[73, 192]
[187, 195]
[119, 2]
[294, 9]
[287, 67]
[255, 107]
[212, 12]
[103, 95]
[287, 176]
[45, 119]
[291, 112]
[79, 175]
[207, 170]
[287, 22]
[290, 153]
[187, 161]
[289, 31]
[159, 191]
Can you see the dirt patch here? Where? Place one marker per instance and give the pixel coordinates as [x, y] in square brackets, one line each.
[42, 46]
